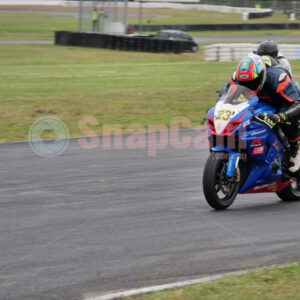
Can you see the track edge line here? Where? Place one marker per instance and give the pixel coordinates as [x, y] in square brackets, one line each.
[157, 288]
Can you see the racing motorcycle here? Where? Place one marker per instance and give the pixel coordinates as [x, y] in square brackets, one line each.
[246, 154]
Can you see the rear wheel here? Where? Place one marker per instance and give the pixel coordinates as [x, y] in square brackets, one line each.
[219, 190]
[290, 193]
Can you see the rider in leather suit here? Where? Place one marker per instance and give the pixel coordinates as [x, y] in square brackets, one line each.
[274, 86]
[270, 48]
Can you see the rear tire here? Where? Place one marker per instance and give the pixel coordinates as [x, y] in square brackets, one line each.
[290, 193]
[218, 190]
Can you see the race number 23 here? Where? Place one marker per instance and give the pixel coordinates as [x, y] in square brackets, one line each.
[223, 114]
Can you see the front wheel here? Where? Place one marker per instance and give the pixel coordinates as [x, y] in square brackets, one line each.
[219, 190]
[290, 193]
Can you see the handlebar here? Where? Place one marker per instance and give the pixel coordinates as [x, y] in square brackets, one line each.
[258, 118]
[277, 129]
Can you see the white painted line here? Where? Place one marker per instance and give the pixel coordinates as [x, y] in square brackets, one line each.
[157, 288]
[179, 284]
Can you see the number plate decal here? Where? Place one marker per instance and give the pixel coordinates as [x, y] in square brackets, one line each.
[223, 114]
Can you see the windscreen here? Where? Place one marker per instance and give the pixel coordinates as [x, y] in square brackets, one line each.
[238, 94]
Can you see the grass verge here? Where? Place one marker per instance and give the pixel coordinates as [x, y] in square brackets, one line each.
[34, 29]
[177, 16]
[115, 87]
[277, 283]
[245, 33]
[17, 16]
[31, 27]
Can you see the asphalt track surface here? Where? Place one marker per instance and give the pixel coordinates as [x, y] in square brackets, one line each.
[95, 221]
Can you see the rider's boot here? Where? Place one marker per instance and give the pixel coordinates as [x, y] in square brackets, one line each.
[295, 157]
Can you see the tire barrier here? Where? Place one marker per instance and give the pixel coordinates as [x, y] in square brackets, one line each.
[219, 27]
[236, 52]
[258, 15]
[117, 42]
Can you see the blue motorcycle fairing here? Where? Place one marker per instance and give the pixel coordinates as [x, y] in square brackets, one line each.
[264, 108]
[211, 112]
[254, 101]
[261, 145]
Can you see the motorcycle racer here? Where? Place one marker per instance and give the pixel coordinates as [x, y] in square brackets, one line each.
[276, 59]
[270, 48]
[273, 85]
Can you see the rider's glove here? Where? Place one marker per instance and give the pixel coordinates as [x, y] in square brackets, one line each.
[273, 119]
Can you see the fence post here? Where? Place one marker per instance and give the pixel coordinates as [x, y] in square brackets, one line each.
[125, 16]
[80, 16]
[140, 16]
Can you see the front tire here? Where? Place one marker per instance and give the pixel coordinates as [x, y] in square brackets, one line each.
[290, 193]
[219, 190]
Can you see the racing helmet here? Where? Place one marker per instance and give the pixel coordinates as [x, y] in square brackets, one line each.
[268, 47]
[251, 73]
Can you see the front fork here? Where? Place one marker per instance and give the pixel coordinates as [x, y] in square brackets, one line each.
[232, 166]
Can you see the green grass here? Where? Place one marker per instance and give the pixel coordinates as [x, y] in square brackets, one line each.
[175, 16]
[13, 27]
[16, 16]
[113, 86]
[14, 36]
[277, 283]
[245, 33]
[242, 33]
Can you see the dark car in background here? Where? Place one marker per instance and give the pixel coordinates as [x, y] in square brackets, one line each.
[178, 35]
